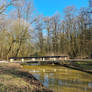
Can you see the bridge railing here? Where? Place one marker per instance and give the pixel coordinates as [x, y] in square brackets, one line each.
[39, 58]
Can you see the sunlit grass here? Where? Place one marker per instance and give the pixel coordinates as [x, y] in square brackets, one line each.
[13, 78]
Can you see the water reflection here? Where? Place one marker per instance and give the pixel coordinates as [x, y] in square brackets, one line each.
[63, 80]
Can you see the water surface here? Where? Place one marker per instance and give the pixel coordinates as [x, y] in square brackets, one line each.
[61, 79]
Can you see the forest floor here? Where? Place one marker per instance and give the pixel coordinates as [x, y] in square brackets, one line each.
[13, 78]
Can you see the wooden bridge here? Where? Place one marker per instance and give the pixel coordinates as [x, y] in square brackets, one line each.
[40, 59]
[59, 60]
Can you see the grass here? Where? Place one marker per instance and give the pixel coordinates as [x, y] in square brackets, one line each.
[82, 65]
[15, 79]
[85, 65]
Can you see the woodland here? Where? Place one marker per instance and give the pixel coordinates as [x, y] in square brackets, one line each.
[25, 32]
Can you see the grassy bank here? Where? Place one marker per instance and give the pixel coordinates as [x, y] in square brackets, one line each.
[85, 66]
[15, 79]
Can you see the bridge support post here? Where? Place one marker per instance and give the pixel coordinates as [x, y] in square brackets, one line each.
[65, 58]
[43, 59]
[33, 59]
[11, 60]
[22, 59]
[54, 59]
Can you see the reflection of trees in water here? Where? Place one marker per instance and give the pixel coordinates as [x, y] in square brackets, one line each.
[51, 81]
[42, 77]
[64, 79]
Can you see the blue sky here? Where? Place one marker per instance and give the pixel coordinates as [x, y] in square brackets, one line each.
[50, 7]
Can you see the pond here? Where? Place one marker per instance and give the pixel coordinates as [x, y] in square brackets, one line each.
[61, 79]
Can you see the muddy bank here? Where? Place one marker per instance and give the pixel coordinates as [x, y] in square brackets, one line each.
[13, 78]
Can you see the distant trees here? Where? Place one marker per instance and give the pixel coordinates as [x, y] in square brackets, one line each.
[39, 28]
[47, 23]
[16, 33]
[25, 34]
